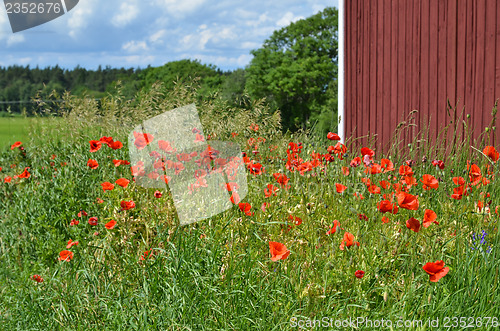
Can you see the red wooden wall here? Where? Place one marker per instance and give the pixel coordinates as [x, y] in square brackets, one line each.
[402, 55]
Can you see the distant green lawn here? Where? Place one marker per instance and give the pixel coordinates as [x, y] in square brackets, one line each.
[13, 129]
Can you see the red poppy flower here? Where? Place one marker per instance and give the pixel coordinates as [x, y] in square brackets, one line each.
[126, 205]
[120, 162]
[296, 220]
[474, 174]
[158, 194]
[82, 212]
[278, 251]
[235, 198]
[413, 224]
[146, 254]
[282, 179]
[107, 186]
[37, 278]
[245, 207]
[405, 170]
[92, 164]
[385, 206]
[255, 168]
[332, 136]
[407, 201]
[16, 144]
[374, 189]
[348, 241]
[95, 145]
[438, 163]
[93, 221]
[429, 217]
[336, 224]
[264, 206]
[270, 190]
[71, 243]
[429, 182]
[99, 200]
[123, 182]
[385, 219]
[355, 162]
[116, 145]
[142, 139]
[367, 151]
[111, 224]
[254, 127]
[65, 255]
[74, 222]
[491, 152]
[359, 274]
[7, 179]
[387, 165]
[340, 188]
[25, 173]
[436, 270]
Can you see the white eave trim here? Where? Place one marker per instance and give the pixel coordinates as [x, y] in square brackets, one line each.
[341, 94]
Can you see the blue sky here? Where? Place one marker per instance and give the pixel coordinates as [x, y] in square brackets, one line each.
[138, 33]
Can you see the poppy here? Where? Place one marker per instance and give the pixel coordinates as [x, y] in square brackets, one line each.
[278, 251]
[93, 221]
[116, 145]
[491, 152]
[199, 138]
[336, 224]
[367, 151]
[120, 162]
[235, 198]
[374, 189]
[332, 136]
[387, 165]
[25, 173]
[126, 205]
[348, 241]
[107, 186]
[37, 278]
[345, 171]
[142, 140]
[270, 190]
[385, 206]
[16, 144]
[264, 206]
[65, 255]
[429, 182]
[474, 174]
[438, 163]
[71, 243]
[385, 184]
[254, 127]
[231, 186]
[407, 201]
[413, 224]
[111, 224]
[123, 182]
[458, 193]
[340, 188]
[245, 207]
[146, 254]
[459, 181]
[92, 164]
[99, 200]
[296, 220]
[282, 179]
[74, 222]
[355, 162]
[255, 168]
[436, 270]
[82, 212]
[405, 170]
[95, 145]
[158, 194]
[385, 219]
[429, 217]
[359, 274]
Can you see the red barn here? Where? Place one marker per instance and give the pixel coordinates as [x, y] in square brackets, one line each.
[396, 56]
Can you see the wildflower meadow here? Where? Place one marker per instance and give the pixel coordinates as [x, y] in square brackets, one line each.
[328, 231]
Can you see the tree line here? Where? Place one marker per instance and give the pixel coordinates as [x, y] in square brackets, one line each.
[295, 70]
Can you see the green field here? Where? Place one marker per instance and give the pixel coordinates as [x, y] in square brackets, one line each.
[13, 129]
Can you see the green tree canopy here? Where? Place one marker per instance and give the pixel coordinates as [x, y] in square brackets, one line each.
[296, 68]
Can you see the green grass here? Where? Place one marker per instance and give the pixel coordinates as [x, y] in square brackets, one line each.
[217, 274]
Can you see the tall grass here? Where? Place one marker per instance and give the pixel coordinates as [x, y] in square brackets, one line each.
[217, 274]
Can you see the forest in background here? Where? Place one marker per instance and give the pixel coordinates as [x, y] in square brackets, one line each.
[295, 71]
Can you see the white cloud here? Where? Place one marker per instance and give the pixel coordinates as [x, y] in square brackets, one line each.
[156, 38]
[15, 38]
[135, 46]
[250, 45]
[127, 13]
[180, 6]
[80, 16]
[287, 19]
